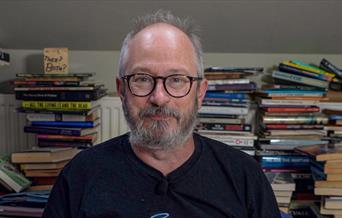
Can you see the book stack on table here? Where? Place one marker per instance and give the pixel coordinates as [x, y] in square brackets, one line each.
[290, 116]
[326, 166]
[62, 110]
[226, 113]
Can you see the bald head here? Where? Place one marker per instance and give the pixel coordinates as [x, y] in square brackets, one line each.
[152, 27]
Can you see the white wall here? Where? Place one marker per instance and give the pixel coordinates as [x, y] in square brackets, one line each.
[105, 63]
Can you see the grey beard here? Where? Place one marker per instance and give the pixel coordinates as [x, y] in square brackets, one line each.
[157, 135]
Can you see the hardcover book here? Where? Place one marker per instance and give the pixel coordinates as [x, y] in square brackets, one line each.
[13, 179]
[322, 152]
[43, 155]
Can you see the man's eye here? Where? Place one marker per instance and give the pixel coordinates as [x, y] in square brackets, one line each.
[142, 79]
[176, 80]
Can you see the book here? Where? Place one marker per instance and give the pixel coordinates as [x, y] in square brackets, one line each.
[328, 191]
[63, 117]
[234, 69]
[333, 202]
[311, 68]
[228, 81]
[20, 211]
[57, 88]
[322, 152]
[60, 130]
[223, 126]
[300, 79]
[295, 120]
[86, 138]
[328, 66]
[76, 144]
[42, 172]
[40, 166]
[71, 124]
[60, 105]
[267, 102]
[12, 177]
[223, 110]
[44, 75]
[292, 68]
[43, 155]
[60, 95]
[224, 75]
[292, 109]
[281, 181]
[223, 95]
[58, 112]
[221, 120]
[223, 87]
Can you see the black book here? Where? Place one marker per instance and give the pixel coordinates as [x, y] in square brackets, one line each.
[326, 65]
[234, 69]
[60, 95]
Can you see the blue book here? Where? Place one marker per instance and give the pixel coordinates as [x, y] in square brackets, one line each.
[285, 161]
[335, 117]
[76, 124]
[226, 95]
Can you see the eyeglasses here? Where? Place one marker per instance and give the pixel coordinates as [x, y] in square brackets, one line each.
[177, 85]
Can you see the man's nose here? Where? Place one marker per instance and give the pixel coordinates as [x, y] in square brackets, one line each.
[159, 96]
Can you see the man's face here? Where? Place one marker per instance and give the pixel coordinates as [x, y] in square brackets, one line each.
[160, 121]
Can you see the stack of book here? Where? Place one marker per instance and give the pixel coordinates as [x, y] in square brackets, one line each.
[24, 204]
[283, 186]
[62, 109]
[289, 116]
[42, 165]
[226, 113]
[327, 172]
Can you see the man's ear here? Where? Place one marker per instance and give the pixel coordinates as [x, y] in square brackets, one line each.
[120, 87]
[201, 92]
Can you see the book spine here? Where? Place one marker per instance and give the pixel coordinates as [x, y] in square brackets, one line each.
[226, 95]
[289, 102]
[300, 79]
[52, 131]
[55, 88]
[311, 68]
[58, 96]
[286, 68]
[223, 110]
[283, 161]
[236, 142]
[46, 83]
[228, 81]
[63, 124]
[331, 68]
[296, 120]
[249, 86]
[293, 109]
[223, 126]
[289, 126]
[56, 105]
[63, 144]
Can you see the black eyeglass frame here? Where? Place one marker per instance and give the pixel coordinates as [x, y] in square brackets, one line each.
[191, 79]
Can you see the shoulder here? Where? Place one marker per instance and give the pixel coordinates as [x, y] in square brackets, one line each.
[225, 152]
[101, 155]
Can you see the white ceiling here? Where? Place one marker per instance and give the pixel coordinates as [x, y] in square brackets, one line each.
[244, 26]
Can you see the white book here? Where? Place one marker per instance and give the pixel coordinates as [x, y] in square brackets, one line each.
[224, 110]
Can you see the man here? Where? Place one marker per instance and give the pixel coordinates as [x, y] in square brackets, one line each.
[161, 168]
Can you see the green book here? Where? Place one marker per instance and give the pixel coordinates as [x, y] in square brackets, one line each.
[11, 178]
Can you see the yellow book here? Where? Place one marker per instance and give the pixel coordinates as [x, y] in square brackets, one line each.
[308, 68]
[60, 105]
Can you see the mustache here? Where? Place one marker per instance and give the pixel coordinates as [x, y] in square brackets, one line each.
[163, 111]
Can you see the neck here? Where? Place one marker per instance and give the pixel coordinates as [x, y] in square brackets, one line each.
[165, 161]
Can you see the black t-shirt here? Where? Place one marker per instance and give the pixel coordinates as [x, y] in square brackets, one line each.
[109, 180]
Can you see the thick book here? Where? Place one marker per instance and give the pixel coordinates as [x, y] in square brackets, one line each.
[60, 95]
[300, 79]
[295, 120]
[60, 130]
[40, 166]
[12, 177]
[42, 172]
[224, 75]
[333, 202]
[63, 138]
[322, 152]
[60, 105]
[71, 124]
[43, 155]
[284, 161]
[15, 211]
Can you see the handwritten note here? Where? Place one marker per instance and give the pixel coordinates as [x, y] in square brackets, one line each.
[56, 60]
